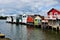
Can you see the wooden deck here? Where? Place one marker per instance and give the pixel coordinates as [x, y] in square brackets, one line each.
[21, 23]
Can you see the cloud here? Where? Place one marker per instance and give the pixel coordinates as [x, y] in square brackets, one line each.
[33, 6]
[5, 1]
[32, 3]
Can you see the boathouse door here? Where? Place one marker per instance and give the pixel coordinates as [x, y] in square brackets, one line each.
[20, 18]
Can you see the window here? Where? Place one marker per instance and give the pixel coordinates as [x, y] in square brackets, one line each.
[24, 16]
[50, 13]
[56, 14]
[35, 19]
[48, 17]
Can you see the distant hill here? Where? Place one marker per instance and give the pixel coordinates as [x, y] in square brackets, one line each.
[1, 17]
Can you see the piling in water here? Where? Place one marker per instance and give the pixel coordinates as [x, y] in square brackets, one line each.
[50, 27]
[58, 28]
[37, 26]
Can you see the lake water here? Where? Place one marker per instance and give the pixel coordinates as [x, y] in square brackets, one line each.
[23, 32]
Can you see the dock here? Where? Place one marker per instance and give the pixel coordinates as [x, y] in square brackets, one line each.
[21, 23]
[54, 27]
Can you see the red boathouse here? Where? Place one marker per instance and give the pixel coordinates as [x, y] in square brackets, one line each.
[30, 19]
[53, 17]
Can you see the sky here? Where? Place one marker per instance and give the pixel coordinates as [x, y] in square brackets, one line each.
[12, 7]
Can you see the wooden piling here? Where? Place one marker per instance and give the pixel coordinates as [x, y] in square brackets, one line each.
[57, 29]
[54, 29]
[50, 27]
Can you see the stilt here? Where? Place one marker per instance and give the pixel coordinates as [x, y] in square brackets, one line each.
[57, 29]
[50, 27]
[54, 29]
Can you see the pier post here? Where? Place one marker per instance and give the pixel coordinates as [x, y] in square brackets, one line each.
[57, 28]
[50, 27]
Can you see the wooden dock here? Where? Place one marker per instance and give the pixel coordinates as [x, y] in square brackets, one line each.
[54, 27]
[21, 23]
[48, 26]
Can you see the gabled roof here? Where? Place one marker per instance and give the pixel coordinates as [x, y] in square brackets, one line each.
[31, 16]
[53, 9]
[42, 17]
[37, 17]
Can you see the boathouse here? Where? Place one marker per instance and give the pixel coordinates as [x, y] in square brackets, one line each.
[14, 18]
[45, 23]
[53, 17]
[30, 19]
[24, 18]
[9, 19]
[20, 18]
[37, 20]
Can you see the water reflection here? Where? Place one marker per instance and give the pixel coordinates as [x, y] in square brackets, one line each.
[19, 32]
[23, 32]
[35, 34]
[29, 31]
[52, 35]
